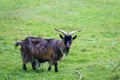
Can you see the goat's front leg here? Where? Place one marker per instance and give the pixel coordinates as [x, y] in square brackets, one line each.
[33, 64]
[56, 68]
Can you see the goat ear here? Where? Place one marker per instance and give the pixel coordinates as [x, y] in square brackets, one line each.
[75, 37]
[61, 36]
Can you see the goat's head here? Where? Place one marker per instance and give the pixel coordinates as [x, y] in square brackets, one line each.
[67, 38]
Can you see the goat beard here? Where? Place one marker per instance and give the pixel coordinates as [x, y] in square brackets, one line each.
[67, 51]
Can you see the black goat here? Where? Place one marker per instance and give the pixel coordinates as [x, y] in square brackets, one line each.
[42, 50]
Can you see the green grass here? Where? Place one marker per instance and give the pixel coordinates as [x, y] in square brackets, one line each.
[95, 52]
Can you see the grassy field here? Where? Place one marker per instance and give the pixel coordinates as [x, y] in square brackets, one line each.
[95, 52]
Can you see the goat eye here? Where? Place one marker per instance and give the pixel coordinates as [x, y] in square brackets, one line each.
[65, 42]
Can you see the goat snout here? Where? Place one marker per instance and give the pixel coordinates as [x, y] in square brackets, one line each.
[68, 46]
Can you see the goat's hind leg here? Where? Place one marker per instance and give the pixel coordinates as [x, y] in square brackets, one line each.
[35, 64]
[49, 68]
[24, 65]
[50, 65]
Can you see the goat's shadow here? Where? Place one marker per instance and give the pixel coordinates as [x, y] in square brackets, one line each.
[20, 70]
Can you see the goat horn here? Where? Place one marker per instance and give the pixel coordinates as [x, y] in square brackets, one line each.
[61, 31]
[73, 32]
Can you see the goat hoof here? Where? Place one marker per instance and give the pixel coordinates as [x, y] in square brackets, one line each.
[56, 70]
[24, 69]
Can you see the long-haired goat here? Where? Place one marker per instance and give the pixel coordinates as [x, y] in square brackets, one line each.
[42, 50]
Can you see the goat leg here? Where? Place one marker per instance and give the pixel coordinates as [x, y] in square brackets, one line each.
[50, 66]
[33, 64]
[37, 64]
[24, 67]
[56, 68]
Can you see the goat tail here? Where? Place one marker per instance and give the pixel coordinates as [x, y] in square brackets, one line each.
[18, 43]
